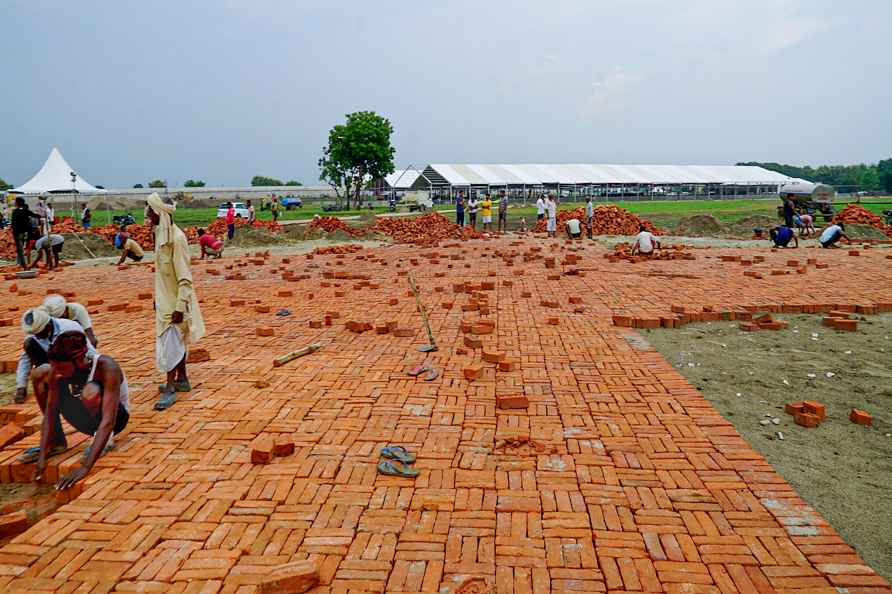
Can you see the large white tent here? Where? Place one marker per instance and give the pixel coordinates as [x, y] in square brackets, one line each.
[458, 175]
[55, 176]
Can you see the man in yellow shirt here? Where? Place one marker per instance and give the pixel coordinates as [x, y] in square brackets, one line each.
[178, 320]
[486, 212]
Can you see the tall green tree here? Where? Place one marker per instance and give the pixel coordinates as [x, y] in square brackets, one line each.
[293, 182]
[157, 183]
[193, 183]
[884, 172]
[861, 176]
[137, 185]
[4, 185]
[357, 151]
[262, 180]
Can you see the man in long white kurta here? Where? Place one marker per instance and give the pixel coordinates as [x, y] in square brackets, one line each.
[178, 320]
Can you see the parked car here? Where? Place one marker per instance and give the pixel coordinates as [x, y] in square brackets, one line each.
[240, 210]
[290, 202]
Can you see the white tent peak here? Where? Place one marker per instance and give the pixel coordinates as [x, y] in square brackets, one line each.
[55, 176]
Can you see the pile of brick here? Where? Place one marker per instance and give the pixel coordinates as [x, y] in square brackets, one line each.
[807, 413]
[347, 248]
[428, 229]
[332, 225]
[607, 220]
[857, 214]
[840, 320]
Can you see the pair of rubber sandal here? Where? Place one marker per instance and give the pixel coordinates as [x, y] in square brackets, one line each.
[30, 455]
[178, 386]
[432, 373]
[396, 462]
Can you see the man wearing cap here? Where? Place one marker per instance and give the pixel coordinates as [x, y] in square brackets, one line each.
[40, 330]
[89, 391]
[60, 309]
[178, 320]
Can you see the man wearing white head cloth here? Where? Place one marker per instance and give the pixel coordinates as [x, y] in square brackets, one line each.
[40, 330]
[59, 308]
[178, 320]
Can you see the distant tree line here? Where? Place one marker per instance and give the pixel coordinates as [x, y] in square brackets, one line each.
[874, 178]
[4, 185]
[262, 180]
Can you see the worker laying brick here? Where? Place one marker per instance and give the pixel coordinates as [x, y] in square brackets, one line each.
[128, 246]
[832, 234]
[645, 242]
[62, 310]
[210, 245]
[782, 235]
[50, 246]
[40, 331]
[90, 391]
[178, 320]
[573, 227]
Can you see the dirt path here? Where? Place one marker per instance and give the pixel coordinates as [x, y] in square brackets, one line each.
[841, 469]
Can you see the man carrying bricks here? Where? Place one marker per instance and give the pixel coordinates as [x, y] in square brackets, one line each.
[178, 320]
[62, 310]
[90, 391]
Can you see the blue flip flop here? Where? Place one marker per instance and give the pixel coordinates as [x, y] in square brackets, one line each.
[397, 453]
[396, 468]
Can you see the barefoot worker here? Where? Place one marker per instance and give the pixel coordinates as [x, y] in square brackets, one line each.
[89, 391]
[178, 320]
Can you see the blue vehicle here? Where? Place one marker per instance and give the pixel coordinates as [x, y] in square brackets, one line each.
[290, 202]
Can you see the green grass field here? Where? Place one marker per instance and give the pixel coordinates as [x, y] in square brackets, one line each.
[664, 212]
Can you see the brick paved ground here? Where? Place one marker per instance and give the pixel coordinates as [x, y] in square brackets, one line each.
[631, 480]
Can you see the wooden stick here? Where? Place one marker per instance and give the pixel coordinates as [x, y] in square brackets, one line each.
[279, 361]
[427, 326]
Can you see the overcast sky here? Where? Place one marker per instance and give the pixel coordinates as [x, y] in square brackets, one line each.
[226, 89]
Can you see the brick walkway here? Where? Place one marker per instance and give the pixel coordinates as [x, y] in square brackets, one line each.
[630, 480]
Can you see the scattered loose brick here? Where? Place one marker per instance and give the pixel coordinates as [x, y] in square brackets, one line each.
[10, 433]
[793, 408]
[815, 408]
[283, 446]
[13, 523]
[197, 355]
[262, 450]
[292, 578]
[493, 356]
[860, 417]
[806, 420]
[472, 342]
[472, 372]
[264, 331]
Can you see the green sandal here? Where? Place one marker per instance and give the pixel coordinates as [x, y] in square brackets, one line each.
[165, 401]
[177, 387]
[396, 468]
[30, 455]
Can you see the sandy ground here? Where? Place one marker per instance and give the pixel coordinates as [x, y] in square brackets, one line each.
[843, 470]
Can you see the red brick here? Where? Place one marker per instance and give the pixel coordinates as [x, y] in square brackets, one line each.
[860, 417]
[815, 408]
[262, 450]
[806, 419]
[14, 523]
[291, 578]
[793, 408]
[264, 331]
[472, 372]
[512, 402]
[10, 433]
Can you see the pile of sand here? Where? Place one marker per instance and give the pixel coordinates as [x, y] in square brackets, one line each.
[699, 226]
[858, 231]
[744, 227]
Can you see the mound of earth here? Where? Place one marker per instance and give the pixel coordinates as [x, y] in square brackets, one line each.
[80, 250]
[859, 231]
[699, 226]
[247, 236]
[744, 227]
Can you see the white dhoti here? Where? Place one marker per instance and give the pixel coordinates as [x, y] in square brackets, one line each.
[170, 348]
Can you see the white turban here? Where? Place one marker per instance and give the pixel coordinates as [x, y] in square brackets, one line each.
[163, 234]
[55, 305]
[35, 320]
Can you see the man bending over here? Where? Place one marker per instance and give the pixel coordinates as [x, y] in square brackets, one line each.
[89, 391]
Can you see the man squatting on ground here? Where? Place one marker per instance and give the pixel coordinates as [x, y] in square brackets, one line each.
[40, 330]
[178, 320]
[90, 391]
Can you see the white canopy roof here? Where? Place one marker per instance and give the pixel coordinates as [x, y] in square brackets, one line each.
[55, 176]
[499, 175]
[402, 178]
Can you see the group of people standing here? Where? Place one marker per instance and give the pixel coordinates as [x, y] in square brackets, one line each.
[32, 233]
[72, 380]
[484, 207]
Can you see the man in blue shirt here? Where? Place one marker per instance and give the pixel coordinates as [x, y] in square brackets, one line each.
[782, 235]
[460, 209]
